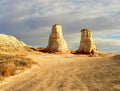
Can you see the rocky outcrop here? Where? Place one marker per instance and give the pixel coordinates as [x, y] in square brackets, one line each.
[56, 42]
[87, 45]
[9, 43]
[8, 40]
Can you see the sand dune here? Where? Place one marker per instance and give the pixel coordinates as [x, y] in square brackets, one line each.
[68, 73]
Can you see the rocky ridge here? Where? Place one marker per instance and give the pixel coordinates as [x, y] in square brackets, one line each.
[9, 40]
[9, 43]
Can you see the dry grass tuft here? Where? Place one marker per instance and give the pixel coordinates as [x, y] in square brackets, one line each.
[103, 55]
[10, 64]
[93, 55]
[117, 56]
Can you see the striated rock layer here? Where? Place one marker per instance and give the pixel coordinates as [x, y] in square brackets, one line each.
[56, 43]
[87, 45]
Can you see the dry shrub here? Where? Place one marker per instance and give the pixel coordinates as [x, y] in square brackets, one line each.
[24, 62]
[106, 54]
[117, 56]
[7, 69]
[10, 64]
[1, 78]
[72, 51]
[93, 55]
[102, 55]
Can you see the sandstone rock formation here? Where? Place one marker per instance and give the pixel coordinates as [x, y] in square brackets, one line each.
[87, 45]
[57, 43]
[8, 40]
[9, 43]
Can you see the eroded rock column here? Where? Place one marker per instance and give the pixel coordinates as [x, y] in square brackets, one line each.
[87, 45]
[56, 41]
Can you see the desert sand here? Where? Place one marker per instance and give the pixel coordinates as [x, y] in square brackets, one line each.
[67, 72]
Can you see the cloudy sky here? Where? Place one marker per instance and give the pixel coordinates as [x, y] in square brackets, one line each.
[31, 21]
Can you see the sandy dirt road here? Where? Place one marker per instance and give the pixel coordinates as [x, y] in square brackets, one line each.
[68, 73]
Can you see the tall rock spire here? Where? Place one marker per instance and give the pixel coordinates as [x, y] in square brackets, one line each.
[56, 41]
[87, 45]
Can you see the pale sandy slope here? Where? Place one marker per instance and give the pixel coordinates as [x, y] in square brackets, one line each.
[68, 73]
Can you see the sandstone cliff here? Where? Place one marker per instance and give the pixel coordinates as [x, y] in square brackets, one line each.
[56, 41]
[87, 45]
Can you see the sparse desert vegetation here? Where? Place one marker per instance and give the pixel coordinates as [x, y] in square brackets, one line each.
[11, 64]
[68, 72]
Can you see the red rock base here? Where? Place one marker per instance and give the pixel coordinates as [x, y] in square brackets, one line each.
[56, 51]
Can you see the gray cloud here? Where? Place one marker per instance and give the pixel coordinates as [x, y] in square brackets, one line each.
[31, 20]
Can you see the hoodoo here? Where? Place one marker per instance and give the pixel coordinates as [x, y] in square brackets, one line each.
[87, 45]
[56, 43]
